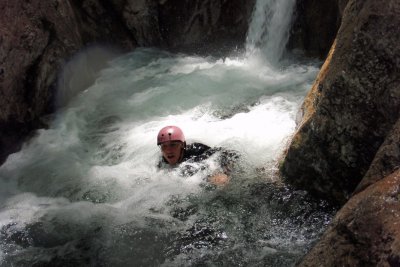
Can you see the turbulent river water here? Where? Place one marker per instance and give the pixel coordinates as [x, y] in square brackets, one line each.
[87, 190]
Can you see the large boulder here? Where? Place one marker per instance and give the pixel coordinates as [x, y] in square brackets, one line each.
[365, 232]
[353, 105]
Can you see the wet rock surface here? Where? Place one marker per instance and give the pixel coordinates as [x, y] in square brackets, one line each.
[315, 26]
[353, 105]
[346, 148]
[365, 232]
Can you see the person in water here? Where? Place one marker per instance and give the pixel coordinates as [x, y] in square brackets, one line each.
[174, 151]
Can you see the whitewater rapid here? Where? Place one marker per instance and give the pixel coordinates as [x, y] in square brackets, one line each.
[91, 177]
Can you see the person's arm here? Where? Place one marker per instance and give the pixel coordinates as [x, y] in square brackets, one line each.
[219, 179]
[227, 160]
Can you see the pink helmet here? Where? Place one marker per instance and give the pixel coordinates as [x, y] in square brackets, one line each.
[170, 133]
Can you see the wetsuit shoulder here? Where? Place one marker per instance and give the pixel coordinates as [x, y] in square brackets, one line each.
[196, 152]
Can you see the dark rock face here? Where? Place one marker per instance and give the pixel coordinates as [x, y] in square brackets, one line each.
[349, 139]
[365, 232]
[140, 18]
[386, 160]
[205, 26]
[353, 105]
[36, 39]
[315, 26]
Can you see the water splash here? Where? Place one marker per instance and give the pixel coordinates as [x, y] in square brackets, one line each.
[87, 189]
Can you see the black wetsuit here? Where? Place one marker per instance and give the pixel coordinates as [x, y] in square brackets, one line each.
[198, 152]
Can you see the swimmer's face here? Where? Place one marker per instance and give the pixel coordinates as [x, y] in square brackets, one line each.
[172, 151]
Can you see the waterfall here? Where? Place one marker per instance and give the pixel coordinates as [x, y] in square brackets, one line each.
[269, 29]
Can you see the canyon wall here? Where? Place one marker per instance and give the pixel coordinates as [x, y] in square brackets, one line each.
[315, 26]
[37, 37]
[352, 106]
